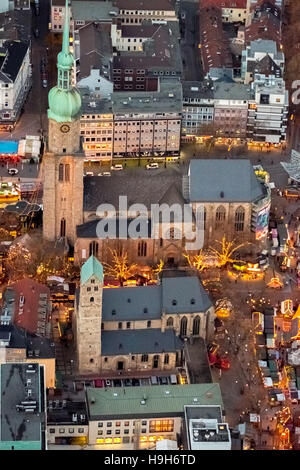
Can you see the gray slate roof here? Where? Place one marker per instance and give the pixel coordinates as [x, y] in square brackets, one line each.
[184, 291]
[139, 188]
[148, 341]
[223, 181]
[141, 298]
[155, 299]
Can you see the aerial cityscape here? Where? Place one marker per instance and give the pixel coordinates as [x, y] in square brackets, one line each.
[150, 226]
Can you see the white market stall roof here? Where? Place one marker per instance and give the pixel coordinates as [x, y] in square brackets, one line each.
[293, 166]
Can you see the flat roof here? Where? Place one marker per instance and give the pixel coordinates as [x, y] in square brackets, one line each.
[20, 425]
[113, 403]
[93, 10]
[167, 99]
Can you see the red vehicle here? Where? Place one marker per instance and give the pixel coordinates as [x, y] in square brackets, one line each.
[99, 383]
[219, 362]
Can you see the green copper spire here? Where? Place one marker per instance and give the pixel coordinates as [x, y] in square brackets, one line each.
[64, 99]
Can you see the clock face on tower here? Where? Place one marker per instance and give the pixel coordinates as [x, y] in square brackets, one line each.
[65, 128]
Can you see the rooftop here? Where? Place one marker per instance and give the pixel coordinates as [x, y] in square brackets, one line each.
[93, 10]
[91, 268]
[148, 341]
[164, 5]
[168, 99]
[225, 90]
[21, 390]
[95, 49]
[215, 181]
[12, 54]
[182, 294]
[150, 401]
[142, 189]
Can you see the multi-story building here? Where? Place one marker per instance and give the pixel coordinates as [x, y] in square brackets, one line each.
[148, 123]
[15, 80]
[197, 110]
[233, 11]
[214, 45]
[97, 127]
[93, 55]
[268, 109]
[230, 109]
[255, 52]
[206, 429]
[137, 11]
[23, 407]
[264, 25]
[145, 335]
[57, 15]
[17, 343]
[160, 58]
[140, 416]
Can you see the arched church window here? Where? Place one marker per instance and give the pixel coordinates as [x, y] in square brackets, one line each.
[67, 172]
[239, 219]
[61, 172]
[63, 227]
[220, 217]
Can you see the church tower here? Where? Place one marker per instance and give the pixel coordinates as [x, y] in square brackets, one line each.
[63, 160]
[88, 317]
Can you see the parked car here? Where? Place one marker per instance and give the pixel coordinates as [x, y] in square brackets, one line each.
[116, 167]
[13, 171]
[36, 32]
[105, 173]
[108, 383]
[145, 382]
[173, 379]
[154, 380]
[117, 383]
[135, 382]
[99, 383]
[89, 173]
[163, 380]
[127, 382]
[152, 166]
[45, 83]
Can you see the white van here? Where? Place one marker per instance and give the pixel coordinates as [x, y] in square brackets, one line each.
[173, 379]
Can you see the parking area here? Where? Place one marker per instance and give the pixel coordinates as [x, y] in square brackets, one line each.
[172, 379]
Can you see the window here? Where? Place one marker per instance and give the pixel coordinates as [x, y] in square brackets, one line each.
[149, 324]
[108, 432]
[128, 325]
[81, 430]
[92, 299]
[52, 430]
[196, 325]
[144, 423]
[67, 172]
[63, 227]
[142, 248]
[94, 249]
[166, 359]
[157, 425]
[100, 433]
[100, 425]
[144, 359]
[126, 431]
[88, 289]
[120, 325]
[239, 219]
[183, 326]
[220, 217]
[170, 322]
[61, 431]
[71, 430]
[126, 423]
[61, 172]
[109, 424]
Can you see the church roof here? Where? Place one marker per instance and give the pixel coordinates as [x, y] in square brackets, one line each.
[152, 340]
[92, 267]
[143, 189]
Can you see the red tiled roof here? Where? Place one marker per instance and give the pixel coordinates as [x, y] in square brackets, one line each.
[214, 42]
[29, 316]
[267, 26]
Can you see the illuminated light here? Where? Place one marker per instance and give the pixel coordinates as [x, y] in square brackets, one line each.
[152, 438]
[117, 440]
[143, 438]
[108, 440]
[100, 441]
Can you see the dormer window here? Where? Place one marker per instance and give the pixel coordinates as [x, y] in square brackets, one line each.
[193, 301]
[113, 312]
[174, 302]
